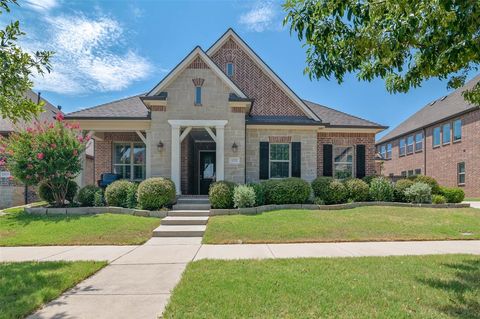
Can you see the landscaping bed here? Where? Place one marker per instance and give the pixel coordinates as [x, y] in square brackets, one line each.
[357, 224]
[19, 228]
[442, 286]
[26, 286]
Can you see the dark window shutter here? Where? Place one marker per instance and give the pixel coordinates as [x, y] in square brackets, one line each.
[264, 156]
[360, 161]
[327, 160]
[296, 159]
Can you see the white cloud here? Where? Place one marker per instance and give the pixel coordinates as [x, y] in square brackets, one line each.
[42, 5]
[263, 16]
[90, 55]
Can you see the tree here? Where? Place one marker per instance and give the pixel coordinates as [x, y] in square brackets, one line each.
[16, 69]
[48, 153]
[403, 42]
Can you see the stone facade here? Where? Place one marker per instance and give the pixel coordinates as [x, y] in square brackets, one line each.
[441, 162]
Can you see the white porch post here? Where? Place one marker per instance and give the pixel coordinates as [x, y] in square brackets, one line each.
[176, 157]
[220, 150]
[148, 154]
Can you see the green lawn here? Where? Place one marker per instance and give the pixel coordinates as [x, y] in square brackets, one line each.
[358, 224]
[22, 229]
[26, 286]
[442, 286]
[472, 199]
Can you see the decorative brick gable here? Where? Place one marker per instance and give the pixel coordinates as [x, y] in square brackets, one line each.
[198, 63]
[269, 99]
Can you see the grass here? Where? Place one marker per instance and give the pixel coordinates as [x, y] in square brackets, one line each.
[26, 286]
[358, 224]
[21, 229]
[442, 286]
[472, 199]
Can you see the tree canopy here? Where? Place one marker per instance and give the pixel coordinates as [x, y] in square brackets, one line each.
[16, 69]
[404, 42]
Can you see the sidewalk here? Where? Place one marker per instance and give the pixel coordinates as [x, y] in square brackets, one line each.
[138, 280]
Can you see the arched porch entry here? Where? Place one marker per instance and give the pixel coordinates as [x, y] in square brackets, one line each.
[180, 131]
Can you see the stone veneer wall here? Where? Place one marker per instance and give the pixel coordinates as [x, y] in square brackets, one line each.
[348, 139]
[307, 137]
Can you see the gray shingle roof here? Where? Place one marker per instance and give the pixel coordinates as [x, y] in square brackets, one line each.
[334, 117]
[48, 115]
[443, 108]
[127, 108]
[285, 120]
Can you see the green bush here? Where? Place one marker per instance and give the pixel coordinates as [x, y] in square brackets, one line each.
[220, 194]
[368, 179]
[399, 189]
[269, 189]
[243, 196]
[86, 195]
[337, 193]
[99, 200]
[438, 199]
[381, 189]
[357, 190]
[259, 193]
[45, 192]
[453, 195]
[155, 193]
[320, 187]
[419, 193]
[291, 190]
[132, 195]
[432, 182]
[117, 193]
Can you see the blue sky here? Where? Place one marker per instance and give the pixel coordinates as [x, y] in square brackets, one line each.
[107, 50]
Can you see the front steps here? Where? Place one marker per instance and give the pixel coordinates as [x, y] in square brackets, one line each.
[188, 218]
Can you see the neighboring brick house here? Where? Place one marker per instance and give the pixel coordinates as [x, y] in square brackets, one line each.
[440, 140]
[223, 114]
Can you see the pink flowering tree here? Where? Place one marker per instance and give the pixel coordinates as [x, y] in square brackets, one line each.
[47, 152]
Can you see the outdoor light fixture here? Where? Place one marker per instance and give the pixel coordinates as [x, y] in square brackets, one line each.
[160, 146]
[234, 147]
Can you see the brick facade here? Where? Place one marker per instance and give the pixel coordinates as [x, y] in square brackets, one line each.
[441, 162]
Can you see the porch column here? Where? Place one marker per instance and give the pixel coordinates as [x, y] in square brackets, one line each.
[148, 154]
[220, 150]
[175, 175]
[80, 179]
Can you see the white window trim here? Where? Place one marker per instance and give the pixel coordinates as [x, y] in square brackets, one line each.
[387, 151]
[282, 161]
[353, 160]
[440, 137]
[453, 131]
[408, 144]
[195, 96]
[400, 147]
[233, 69]
[459, 173]
[450, 130]
[416, 143]
[131, 165]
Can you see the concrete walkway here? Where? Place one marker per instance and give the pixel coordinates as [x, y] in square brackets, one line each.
[138, 280]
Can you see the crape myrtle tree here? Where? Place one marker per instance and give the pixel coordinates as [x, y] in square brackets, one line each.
[403, 42]
[16, 69]
[46, 153]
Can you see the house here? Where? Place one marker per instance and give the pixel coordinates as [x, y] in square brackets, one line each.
[441, 140]
[223, 114]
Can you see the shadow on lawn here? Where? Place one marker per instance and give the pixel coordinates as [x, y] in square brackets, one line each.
[24, 219]
[463, 290]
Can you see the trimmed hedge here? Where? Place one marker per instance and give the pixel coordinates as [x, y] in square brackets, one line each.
[156, 193]
[86, 195]
[320, 187]
[291, 190]
[453, 195]
[220, 194]
[381, 190]
[337, 193]
[259, 193]
[399, 189]
[46, 194]
[438, 199]
[357, 189]
[243, 196]
[119, 193]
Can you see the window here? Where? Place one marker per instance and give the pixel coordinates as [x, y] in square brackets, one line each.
[198, 95]
[342, 162]
[383, 151]
[404, 173]
[129, 160]
[446, 133]
[230, 69]
[410, 173]
[418, 142]
[410, 144]
[279, 160]
[389, 151]
[436, 136]
[461, 173]
[401, 149]
[418, 171]
[457, 130]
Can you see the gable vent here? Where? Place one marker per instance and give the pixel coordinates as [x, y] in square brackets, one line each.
[198, 81]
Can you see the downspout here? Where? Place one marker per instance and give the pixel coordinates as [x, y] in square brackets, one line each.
[245, 152]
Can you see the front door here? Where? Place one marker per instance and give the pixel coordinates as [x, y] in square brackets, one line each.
[206, 171]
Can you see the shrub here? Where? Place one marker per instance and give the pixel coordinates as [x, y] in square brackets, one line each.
[453, 195]
[99, 200]
[368, 179]
[116, 194]
[155, 193]
[243, 196]
[46, 193]
[357, 190]
[132, 195]
[320, 186]
[438, 199]
[220, 194]
[419, 193]
[337, 193]
[269, 189]
[432, 182]
[259, 193]
[86, 195]
[399, 189]
[291, 190]
[381, 189]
